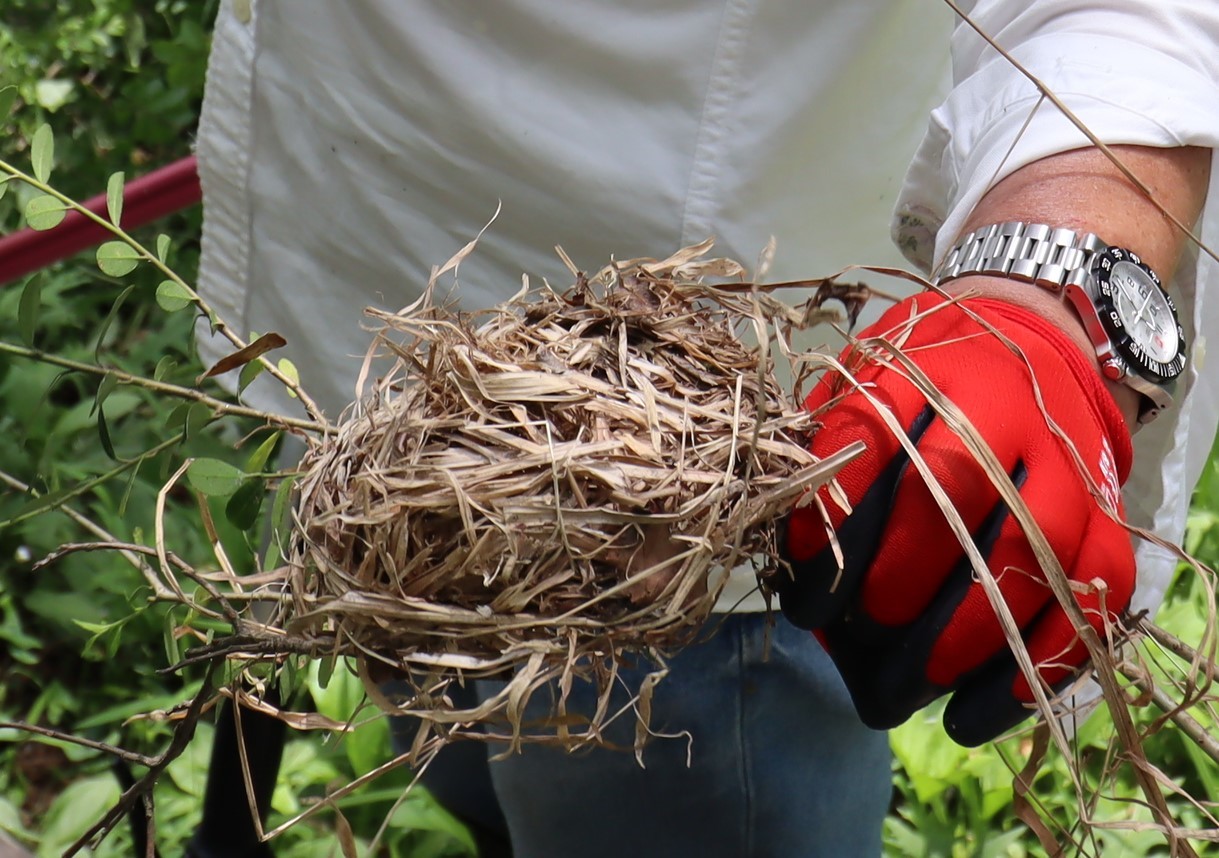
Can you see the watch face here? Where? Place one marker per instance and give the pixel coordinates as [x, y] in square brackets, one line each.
[1138, 315]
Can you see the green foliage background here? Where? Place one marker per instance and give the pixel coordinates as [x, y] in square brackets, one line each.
[120, 82]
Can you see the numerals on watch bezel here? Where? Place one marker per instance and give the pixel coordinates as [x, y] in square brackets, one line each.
[1134, 352]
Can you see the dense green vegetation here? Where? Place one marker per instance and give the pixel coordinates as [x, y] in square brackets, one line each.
[120, 82]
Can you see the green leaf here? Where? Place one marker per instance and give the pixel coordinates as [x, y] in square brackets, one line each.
[172, 296]
[259, 458]
[52, 94]
[368, 745]
[103, 434]
[29, 309]
[4, 180]
[281, 520]
[74, 810]
[162, 247]
[114, 197]
[197, 417]
[176, 419]
[213, 477]
[243, 507]
[79, 417]
[10, 818]
[188, 772]
[110, 317]
[249, 372]
[288, 368]
[8, 97]
[42, 152]
[165, 366]
[325, 670]
[173, 650]
[131, 482]
[44, 212]
[109, 382]
[150, 701]
[99, 628]
[117, 258]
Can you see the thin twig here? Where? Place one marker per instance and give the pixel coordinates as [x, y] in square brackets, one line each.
[185, 568]
[1174, 710]
[183, 733]
[159, 590]
[219, 406]
[1176, 646]
[81, 488]
[129, 756]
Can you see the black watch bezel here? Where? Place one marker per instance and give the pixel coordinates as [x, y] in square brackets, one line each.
[1124, 344]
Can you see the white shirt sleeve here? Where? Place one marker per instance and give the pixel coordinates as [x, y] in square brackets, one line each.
[1132, 71]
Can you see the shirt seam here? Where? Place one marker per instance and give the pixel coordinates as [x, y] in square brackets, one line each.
[723, 84]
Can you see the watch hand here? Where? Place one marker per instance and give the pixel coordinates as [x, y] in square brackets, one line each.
[1139, 313]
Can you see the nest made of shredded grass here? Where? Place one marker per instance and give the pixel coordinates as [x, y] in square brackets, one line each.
[555, 481]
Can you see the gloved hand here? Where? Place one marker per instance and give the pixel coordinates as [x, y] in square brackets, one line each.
[906, 622]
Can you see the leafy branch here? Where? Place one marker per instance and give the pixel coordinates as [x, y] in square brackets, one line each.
[218, 406]
[121, 255]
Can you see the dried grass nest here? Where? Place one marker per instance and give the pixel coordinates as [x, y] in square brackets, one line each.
[547, 485]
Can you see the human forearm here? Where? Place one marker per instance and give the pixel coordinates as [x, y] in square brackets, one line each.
[1083, 190]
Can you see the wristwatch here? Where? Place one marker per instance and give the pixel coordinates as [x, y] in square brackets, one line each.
[1128, 316]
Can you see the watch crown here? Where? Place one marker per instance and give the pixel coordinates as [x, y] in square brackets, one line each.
[1113, 369]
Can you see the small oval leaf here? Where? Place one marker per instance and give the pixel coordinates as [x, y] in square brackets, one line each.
[44, 212]
[162, 247]
[177, 417]
[213, 477]
[288, 368]
[114, 197]
[165, 366]
[249, 372]
[53, 93]
[42, 152]
[197, 417]
[173, 296]
[117, 258]
[243, 507]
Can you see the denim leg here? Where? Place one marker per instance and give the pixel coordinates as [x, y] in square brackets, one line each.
[779, 765]
[458, 776]
[821, 781]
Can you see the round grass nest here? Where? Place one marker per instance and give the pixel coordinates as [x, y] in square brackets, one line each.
[537, 489]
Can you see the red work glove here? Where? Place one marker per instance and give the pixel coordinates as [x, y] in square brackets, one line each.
[906, 621]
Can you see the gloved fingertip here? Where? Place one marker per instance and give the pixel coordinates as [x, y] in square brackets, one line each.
[983, 708]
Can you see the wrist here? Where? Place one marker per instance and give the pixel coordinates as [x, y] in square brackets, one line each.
[1052, 309]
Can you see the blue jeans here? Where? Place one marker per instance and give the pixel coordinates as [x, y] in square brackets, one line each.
[780, 766]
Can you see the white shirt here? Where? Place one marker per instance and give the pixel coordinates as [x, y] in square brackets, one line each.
[346, 148]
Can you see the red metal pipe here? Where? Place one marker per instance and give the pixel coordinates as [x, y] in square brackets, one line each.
[151, 196]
